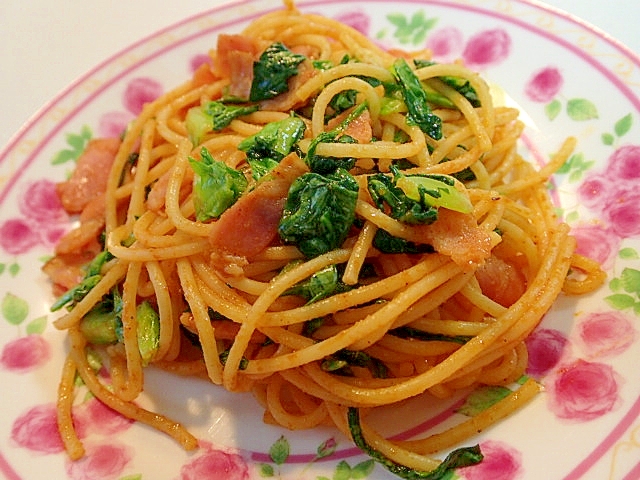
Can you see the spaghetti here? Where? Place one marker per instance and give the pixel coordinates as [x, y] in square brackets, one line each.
[432, 253]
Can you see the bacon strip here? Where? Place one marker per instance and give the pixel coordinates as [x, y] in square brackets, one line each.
[251, 224]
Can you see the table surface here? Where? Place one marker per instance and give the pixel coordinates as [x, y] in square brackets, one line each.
[40, 54]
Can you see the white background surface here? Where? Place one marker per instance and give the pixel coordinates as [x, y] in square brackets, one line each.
[46, 44]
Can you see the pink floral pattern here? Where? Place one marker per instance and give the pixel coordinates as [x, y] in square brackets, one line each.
[37, 430]
[501, 462]
[597, 242]
[95, 417]
[544, 85]
[487, 48]
[613, 191]
[484, 49]
[582, 391]
[546, 348]
[445, 43]
[105, 462]
[606, 334]
[43, 220]
[24, 354]
[356, 19]
[214, 464]
[138, 91]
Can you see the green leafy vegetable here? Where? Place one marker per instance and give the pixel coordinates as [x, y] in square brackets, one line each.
[322, 284]
[323, 165]
[148, 331]
[433, 189]
[415, 199]
[102, 325]
[461, 85]
[92, 277]
[387, 243]
[224, 356]
[415, 98]
[345, 358]
[387, 196]
[272, 71]
[461, 457]
[408, 332]
[319, 211]
[214, 115]
[216, 186]
[275, 141]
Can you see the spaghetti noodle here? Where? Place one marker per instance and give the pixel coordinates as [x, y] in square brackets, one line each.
[360, 233]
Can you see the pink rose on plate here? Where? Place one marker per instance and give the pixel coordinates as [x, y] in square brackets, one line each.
[582, 391]
[37, 430]
[40, 202]
[114, 124]
[621, 211]
[103, 462]
[624, 163]
[215, 464]
[356, 19]
[596, 242]
[445, 43]
[95, 417]
[487, 48]
[18, 236]
[140, 91]
[593, 191]
[501, 462]
[606, 334]
[198, 60]
[546, 348]
[544, 85]
[25, 353]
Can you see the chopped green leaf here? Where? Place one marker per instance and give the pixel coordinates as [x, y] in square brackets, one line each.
[482, 398]
[461, 457]
[415, 199]
[387, 243]
[148, 331]
[216, 186]
[322, 284]
[323, 165]
[100, 326]
[415, 98]
[272, 71]
[319, 211]
[271, 144]
[436, 190]
[92, 276]
[213, 116]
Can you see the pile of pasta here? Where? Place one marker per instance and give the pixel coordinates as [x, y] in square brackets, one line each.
[447, 314]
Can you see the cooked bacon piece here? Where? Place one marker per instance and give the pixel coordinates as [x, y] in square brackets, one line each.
[235, 55]
[203, 76]
[251, 224]
[457, 235]
[65, 271]
[158, 192]
[289, 100]
[501, 281]
[359, 128]
[89, 179]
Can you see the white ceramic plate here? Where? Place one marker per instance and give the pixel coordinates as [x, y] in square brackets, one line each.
[567, 80]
